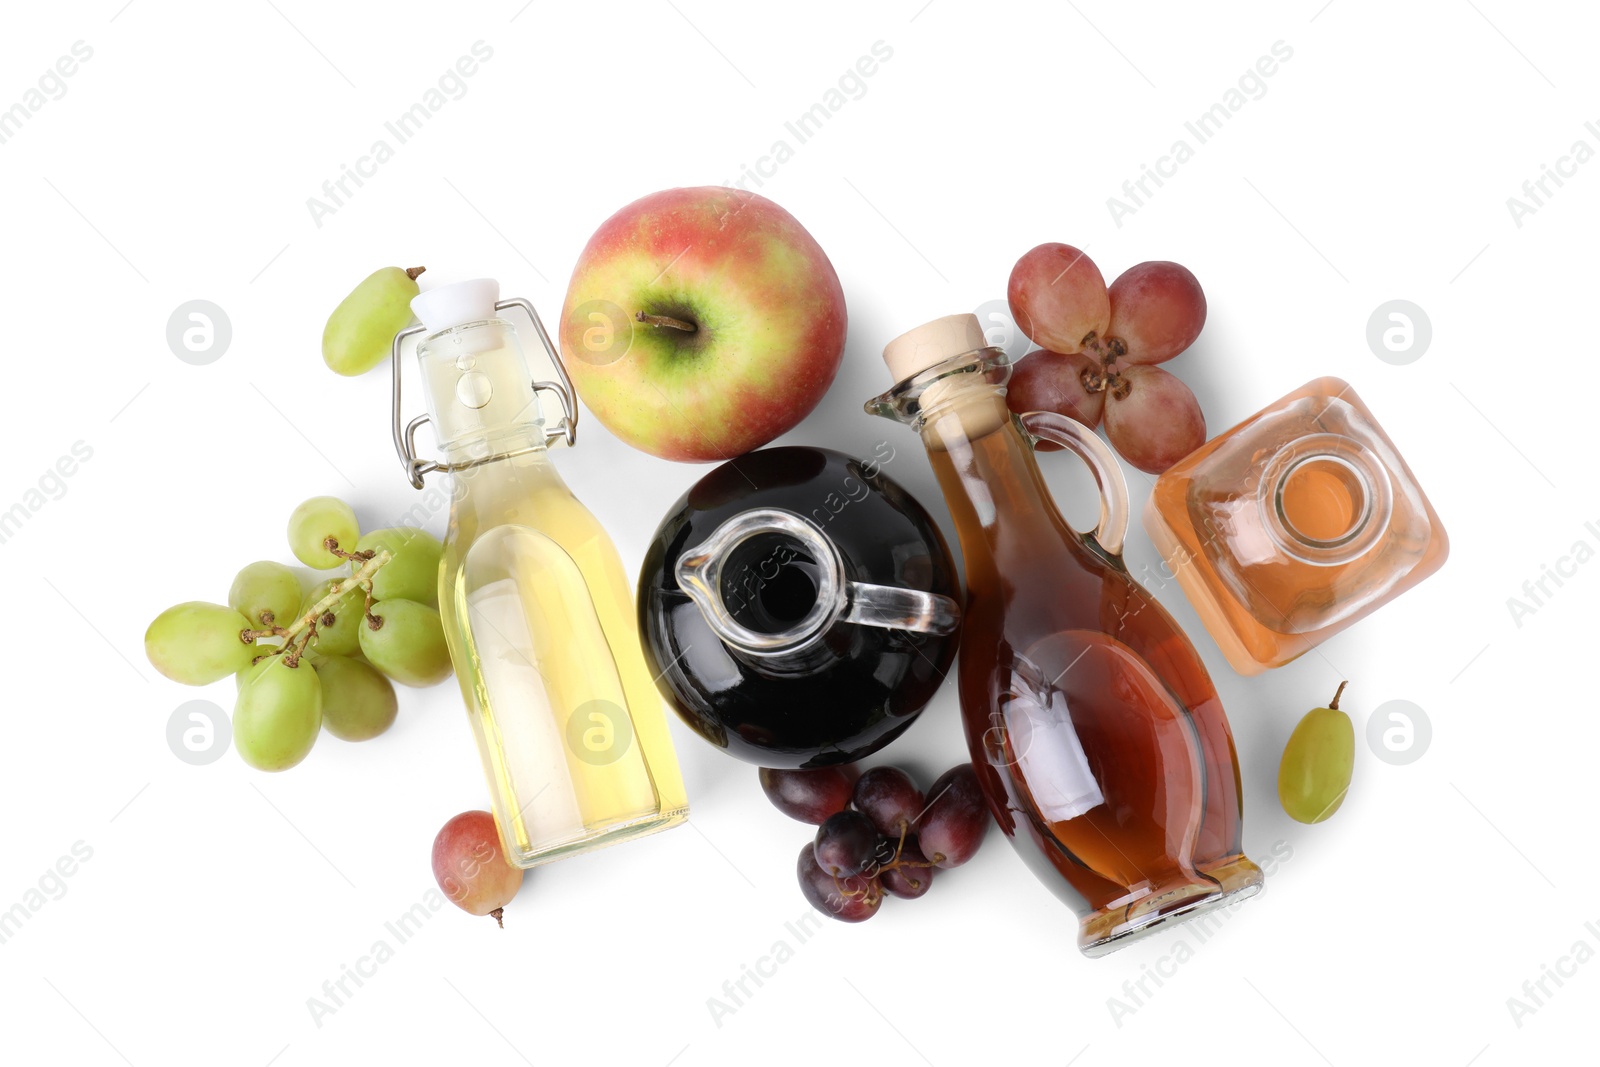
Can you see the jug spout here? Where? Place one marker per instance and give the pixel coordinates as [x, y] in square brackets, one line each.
[769, 583]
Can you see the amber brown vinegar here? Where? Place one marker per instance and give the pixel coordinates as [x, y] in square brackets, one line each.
[1054, 627]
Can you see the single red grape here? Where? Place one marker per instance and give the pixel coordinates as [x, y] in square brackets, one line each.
[1157, 310]
[1058, 382]
[1058, 297]
[471, 869]
[888, 797]
[846, 843]
[852, 900]
[1153, 419]
[809, 795]
[956, 820]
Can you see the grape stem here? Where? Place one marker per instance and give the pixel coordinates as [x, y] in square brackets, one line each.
[1105, 379]
[332, 545]
[306, 624]
[293, 652]
[865, 892]
[898, 863]
[1333, 705]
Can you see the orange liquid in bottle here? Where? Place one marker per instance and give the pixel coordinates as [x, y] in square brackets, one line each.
[1293, 525]
[1318, 502]
[1064, 646]
[1099, 741]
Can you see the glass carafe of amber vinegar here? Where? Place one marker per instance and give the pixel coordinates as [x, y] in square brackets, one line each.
[1293, 525]
[1099, 739]
[537, 609]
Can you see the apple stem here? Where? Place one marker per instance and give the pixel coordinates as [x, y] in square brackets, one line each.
[665, 320]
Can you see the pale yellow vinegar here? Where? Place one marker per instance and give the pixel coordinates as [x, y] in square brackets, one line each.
[538, 613]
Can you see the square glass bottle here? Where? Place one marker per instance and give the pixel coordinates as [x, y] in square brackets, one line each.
[1293, 525]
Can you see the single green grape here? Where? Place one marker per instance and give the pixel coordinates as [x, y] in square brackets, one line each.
[316, 520]
[342, 638]
[361, 329]
[358, 703]
[413, 572]
[266, 588]
[1317, 764]
[408, 644]
[198, 643]
[278, 714]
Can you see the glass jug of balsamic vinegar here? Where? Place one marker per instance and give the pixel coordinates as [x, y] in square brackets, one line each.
[799, 608]
[1098, 737]
[537, 610]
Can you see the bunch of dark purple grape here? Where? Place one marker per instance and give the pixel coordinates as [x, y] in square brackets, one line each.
[877, 832]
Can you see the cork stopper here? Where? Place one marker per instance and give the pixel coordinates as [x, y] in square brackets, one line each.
[957, 407]
[932, 343]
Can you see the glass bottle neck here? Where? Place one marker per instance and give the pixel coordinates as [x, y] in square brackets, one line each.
[990, 481]
[480, 394]
[956, 413]
[986, 462]
[1325, 499]
[495, 445]
[983, 460]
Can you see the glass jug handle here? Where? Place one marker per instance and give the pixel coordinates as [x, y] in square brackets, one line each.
[895, 608]
[1072, 434]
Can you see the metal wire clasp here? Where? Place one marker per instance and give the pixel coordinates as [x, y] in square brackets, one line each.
[405, 433]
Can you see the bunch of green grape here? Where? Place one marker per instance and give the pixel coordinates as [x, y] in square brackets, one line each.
[319, 659]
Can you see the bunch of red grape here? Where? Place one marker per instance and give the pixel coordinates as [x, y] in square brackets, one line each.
[877, 832]
[1100, 347]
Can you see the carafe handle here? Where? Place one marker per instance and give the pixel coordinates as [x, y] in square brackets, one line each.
[1070, 433]
[897, 608]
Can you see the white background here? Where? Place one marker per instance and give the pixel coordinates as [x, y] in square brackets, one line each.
[1376, 165]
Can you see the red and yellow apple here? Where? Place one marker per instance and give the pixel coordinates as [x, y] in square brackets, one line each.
[702, 323]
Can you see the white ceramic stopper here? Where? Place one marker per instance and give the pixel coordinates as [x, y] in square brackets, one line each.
[451, 305]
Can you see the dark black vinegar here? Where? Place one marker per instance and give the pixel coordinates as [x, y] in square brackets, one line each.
[768, 664]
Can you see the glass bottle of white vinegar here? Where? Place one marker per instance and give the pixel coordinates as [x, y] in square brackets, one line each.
[537, 609]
